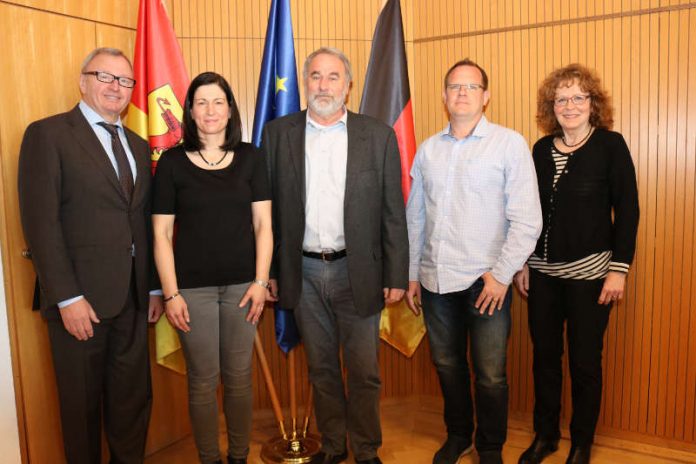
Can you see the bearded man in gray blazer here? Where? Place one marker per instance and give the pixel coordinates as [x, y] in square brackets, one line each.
[84, 194]
[341, 248]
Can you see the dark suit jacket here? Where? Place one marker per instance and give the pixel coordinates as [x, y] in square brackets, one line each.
[374, 218]
[76, 218]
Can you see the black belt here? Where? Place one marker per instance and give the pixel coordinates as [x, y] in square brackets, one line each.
[325, 255]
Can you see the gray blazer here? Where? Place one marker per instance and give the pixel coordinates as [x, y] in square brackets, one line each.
[374, 217]
[76, 218]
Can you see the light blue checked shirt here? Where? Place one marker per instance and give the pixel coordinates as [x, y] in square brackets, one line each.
[473, 207]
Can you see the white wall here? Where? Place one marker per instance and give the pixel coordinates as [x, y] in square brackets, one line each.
[9, 434]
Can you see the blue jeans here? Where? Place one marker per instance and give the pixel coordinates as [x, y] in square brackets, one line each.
[329, 323]
[452, 322]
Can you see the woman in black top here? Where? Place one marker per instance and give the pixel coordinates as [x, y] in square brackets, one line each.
[589, 199]
[215, 274]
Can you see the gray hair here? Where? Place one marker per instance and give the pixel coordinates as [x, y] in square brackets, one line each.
[103, 51]
[328, 51]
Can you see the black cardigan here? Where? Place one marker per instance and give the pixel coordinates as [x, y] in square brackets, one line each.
[598, 178]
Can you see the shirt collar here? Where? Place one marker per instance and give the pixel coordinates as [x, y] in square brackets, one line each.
[93, 118]
[481, 130]
[343, 120]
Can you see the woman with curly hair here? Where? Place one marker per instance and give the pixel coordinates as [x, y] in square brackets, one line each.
[589, 198]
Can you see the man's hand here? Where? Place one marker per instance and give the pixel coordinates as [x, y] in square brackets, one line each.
[413, 297]
[392, 295]
[177, 313]
[155, 308]
[492, 295]
[613, 288]
[521, 280]
[78, 318]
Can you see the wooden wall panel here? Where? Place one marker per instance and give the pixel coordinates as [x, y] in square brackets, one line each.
[643, 57]
[117, 12]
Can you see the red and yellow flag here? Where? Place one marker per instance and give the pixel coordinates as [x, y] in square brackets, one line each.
[156, 109]
[155, 114]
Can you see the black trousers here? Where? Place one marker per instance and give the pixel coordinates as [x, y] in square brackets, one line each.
[109, 372]
[553, 301]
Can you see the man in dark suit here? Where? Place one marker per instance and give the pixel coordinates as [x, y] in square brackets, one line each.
[341, 248]
[84, 193]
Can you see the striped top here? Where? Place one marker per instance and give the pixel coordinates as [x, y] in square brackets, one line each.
[594, 266]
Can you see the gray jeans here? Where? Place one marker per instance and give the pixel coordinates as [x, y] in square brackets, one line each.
[220, 342]
[328, 321]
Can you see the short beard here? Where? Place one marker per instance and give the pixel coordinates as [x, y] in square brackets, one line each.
[327, 109]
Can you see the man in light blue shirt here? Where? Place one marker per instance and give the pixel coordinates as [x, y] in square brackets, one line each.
[473, 220]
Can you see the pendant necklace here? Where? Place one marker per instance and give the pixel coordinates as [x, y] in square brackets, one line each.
[218, 161]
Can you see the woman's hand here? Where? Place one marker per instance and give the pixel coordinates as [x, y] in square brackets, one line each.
[256, 296]
[613, 288]
[521, 280]
[177, 313]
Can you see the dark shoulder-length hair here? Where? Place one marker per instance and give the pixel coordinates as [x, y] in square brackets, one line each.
[601, 111]
[233, 132]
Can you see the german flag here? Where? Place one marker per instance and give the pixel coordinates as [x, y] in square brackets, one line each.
[387, 97]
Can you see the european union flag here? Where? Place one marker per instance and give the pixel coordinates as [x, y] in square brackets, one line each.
[278, 95]
[278, 92]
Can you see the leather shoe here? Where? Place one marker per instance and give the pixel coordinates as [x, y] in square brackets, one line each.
[374, 460]
[231, 460]
[579, 455]
[538, 450]
[323, 458]
[452, 450]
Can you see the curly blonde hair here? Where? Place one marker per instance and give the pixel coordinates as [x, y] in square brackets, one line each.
[601, 111]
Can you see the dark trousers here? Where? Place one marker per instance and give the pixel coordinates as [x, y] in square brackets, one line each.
[328, 322]
[453, 322]
[553, 301]
[109, 372]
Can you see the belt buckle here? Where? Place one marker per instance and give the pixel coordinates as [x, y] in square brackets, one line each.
[326, 254]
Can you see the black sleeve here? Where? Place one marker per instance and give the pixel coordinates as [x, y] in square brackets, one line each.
[163, 188]
[260, 189]
[624, 198]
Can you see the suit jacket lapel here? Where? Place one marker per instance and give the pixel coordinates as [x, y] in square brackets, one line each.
[87, 139]
[296, 142]
[357, 151]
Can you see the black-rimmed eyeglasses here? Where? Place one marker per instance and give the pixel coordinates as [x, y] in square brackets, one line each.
[108, 78]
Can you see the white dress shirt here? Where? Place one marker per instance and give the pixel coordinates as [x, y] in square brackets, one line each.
[326, 156]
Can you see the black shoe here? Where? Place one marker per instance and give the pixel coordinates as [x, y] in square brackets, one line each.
[538, 450]
[579, 455]
[374, 460]
[490, 457]
[323, 458]
[452, 450]
[231, 460]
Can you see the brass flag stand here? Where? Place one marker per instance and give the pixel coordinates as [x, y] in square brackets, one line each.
[297, 446]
